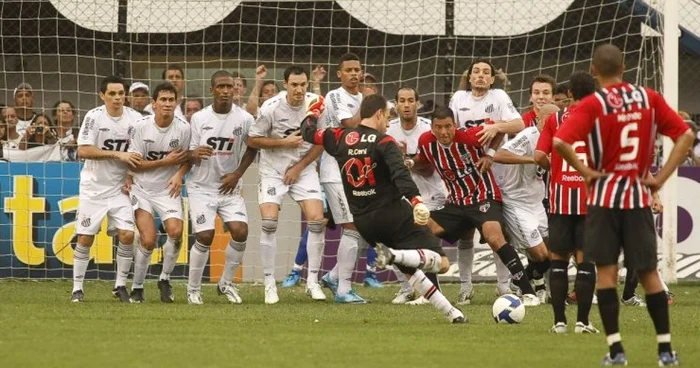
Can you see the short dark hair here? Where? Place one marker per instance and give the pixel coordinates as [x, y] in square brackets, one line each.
[407, 88]
[173, 67]
[192, 98]
[471, 66]
[562, 88]
[581, 84]
[112, 79]
[443, 112]
[296, 70]
[608, 60]
[371, 104]
[239, 75]
[219, 74]
[267, 83]
[347, 57]
[164, 87]
[54, 111]
[544, 78]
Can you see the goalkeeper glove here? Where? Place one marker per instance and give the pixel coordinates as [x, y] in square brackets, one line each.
[315, 106]
[421, 213]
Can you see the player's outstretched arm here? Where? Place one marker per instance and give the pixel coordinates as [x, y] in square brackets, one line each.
[569, 155]
[504, 156]
[176, 157]
[254, 98]
[91, 152]
[542, 159]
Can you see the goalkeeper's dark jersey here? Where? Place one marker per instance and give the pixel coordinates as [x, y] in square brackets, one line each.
[371, 165]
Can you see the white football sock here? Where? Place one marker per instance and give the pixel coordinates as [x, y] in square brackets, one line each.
[297, 267]
[268, 251]
[347, 256]
[465, 261]
[426, 288]
[334, 273]
[314, 250]
[171, 251]
[199, 255]
[125, 255]
[424, 259]
[502, 275]
[401, 277]
[81, 258]
[234, 255]
[142, 257]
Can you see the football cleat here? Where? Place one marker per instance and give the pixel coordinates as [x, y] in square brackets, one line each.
[77, 296]
[585, 329]
[271, 294]
[329, 283]
[667, 359]
[465, 297]
[455, 315]
[385, 257]
[166, 291]
[293, 279]
[120, 293]
[231, 293]
[350, 298]
[404, 296]
[619, 359]
[371, 280]
[530, 300]
[315, 292]
[136, 296]
[420, 301]
[634, 301]
[559, 328]
[194, 297]
[542, 296]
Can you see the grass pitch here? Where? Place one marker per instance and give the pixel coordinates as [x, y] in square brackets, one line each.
[40, 328]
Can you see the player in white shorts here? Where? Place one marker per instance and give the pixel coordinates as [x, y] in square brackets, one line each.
[103, 142]
[523, 191]
[219, 158]
[288, 166]
[406, 130]
[342, 107]
[480, 104]
[163, 141]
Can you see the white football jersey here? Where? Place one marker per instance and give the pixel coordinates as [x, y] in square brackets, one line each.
[101, 179]
[278, 119]
[522, 183]
[178, 111]
[339, 105]
[154, 143]
[431, 188]
[227, 134]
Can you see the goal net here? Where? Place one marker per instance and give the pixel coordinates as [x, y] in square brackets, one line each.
[63, 48]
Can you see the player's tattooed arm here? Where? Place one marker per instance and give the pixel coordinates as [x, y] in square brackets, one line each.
[176, 157]
[91, 152]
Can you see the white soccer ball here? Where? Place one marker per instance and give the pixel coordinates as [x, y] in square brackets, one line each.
[508, 309]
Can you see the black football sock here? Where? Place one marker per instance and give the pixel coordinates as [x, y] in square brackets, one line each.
[609, 306]
[434, 279]
[510, 258]
[559, 286]
[657, 305]
[539, 269]
[631, 282]
[585, 286]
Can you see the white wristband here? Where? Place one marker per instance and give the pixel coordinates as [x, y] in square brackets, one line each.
[491, 152]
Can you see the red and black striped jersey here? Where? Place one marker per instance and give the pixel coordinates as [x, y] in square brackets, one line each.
[619, 124]
[530, 118]
[567, 189]
[456, 164]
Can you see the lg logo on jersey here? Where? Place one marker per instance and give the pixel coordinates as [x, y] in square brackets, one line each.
[354, 137]
[116, 145]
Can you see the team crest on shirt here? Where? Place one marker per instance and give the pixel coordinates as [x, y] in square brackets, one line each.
[351, 106]
[201, 219]
[450, 175]
[534, 234]
[85, 222]
[272, 191]
[174, 143]
[238, 131]
[614, 100]
[489, 109]
[352, 138]
[485, 207]
[134, 200]
[130, 132]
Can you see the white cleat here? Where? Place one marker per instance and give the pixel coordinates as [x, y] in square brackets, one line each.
[194, 297]
[465, 297]
[231, 293]
[559, 328]
[404, 296]
[420, 301]
[595, 300]
[585, 329]
[315, 291]
[271, 294]
[385, 257]
[531, 300]
[542, 296]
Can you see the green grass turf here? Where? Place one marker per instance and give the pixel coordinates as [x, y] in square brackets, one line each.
[40, 328]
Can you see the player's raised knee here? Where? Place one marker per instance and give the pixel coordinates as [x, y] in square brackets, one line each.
[269, 225]
[444, 264]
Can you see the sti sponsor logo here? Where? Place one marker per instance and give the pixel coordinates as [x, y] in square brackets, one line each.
[156, 155]
[115, 145]
[221, 143]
